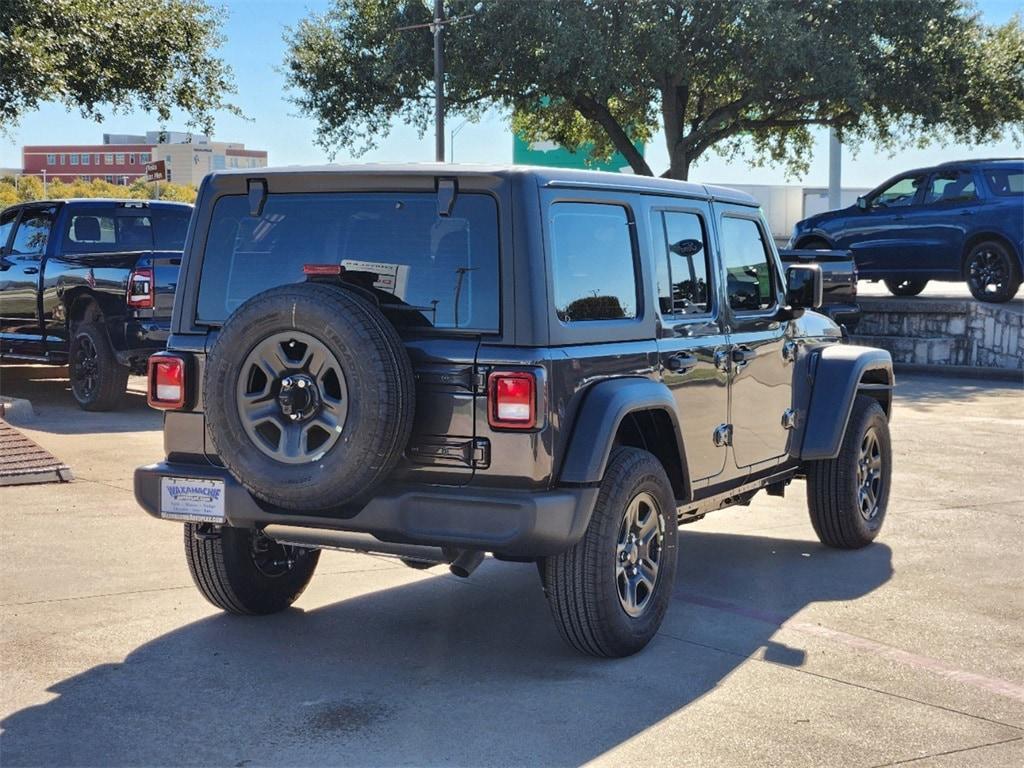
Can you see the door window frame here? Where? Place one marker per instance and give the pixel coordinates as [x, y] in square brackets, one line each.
[659, 241]
[925, 203]
[772, 256]
[916, 200]
[29, 210]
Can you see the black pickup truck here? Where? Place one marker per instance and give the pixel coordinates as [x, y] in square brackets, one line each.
[89, 284]
[839, 282]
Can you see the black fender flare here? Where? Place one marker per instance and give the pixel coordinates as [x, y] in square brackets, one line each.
[840, 372]
[605, 405]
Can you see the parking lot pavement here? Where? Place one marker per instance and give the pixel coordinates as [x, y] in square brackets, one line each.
[776, 651]
[937, 290]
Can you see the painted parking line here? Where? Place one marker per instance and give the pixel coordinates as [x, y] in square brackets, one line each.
[936, 666]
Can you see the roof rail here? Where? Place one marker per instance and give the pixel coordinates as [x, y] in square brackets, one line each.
[982, 160]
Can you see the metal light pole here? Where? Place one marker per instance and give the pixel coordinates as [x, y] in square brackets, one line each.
[45, 188]
[438, 30]
[835, 171]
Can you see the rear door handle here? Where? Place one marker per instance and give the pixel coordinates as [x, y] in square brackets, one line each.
[680, 362]
[966, 213]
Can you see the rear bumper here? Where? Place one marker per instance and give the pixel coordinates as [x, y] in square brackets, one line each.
[136, 339]
[513, 523]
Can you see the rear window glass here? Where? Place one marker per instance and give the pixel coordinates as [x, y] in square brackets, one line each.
[1005, 181]
[441, 270]
[99, 230]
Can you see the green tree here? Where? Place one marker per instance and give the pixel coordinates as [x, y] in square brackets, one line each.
[156, 55]
[736, 76]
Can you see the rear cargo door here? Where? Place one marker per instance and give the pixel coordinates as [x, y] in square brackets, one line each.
[444, 446]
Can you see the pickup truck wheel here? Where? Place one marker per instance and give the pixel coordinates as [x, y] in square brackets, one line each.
[992, 275]
[847, 496]
[98, 381]
[241, 571]
[309, 396]
[905, 287]
[610, 591]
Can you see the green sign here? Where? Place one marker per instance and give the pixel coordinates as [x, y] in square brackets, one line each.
[552, 155]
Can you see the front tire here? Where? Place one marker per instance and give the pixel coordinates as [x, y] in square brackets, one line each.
[243, 572]
[992, 274]
[610, 591]
[847, 496]
[905, 287]
[98, 381]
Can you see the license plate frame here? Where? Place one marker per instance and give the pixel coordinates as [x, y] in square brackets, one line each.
[192, 499]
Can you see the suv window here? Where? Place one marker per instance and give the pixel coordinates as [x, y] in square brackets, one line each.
[1005, 182]
[748, 265]
[951, 187]
[900, 193]
[593, 268]
[33, 232]
[682, 263]
[394, 244]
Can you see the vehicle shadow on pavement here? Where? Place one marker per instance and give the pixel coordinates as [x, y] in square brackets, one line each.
[435, 671]
[49, 391]
[924, 393]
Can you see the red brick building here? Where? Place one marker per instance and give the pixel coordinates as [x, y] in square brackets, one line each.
[116, 163]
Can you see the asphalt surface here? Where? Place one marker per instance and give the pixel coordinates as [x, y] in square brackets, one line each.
[937, 290]
[776, 651]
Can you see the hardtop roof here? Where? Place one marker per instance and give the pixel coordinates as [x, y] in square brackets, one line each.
[544, 176]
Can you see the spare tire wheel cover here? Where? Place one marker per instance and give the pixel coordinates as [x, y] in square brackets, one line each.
[309, 396]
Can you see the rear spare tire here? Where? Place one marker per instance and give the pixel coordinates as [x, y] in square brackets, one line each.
[309, 396]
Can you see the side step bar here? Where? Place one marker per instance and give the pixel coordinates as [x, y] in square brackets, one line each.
[321, 538]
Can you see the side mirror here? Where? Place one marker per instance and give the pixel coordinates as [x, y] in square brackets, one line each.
[804, 288]
[862, 203]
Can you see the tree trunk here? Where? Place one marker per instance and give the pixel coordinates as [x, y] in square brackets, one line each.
[594, 110]
[679, 163]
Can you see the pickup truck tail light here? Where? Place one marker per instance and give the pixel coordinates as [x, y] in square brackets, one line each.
[141, 294]
[512, 400]
[166, 385]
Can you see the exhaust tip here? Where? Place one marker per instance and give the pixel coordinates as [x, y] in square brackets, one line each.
[466, 562]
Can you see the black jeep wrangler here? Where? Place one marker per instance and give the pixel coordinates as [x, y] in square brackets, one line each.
[434, 362]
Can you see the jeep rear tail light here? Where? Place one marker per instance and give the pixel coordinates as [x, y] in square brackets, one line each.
[166, 386]
[512, 400]
[140, 288]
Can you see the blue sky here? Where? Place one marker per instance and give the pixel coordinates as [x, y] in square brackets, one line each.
[255, 49]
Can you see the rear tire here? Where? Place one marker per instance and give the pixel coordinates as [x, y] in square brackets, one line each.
[847, 496]
[905, 287]
[598, 590]
[242, 572]
[993, 275]
[98, 381]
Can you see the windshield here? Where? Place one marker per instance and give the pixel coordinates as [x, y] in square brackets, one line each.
[443, 270]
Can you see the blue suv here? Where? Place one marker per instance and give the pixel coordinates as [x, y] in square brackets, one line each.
[957, 221]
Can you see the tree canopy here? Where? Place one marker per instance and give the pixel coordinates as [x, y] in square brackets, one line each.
[734, 76]
[156, 55]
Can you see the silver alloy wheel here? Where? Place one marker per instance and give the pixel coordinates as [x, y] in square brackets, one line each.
[869, 475]
[292, 397]
[638, 553]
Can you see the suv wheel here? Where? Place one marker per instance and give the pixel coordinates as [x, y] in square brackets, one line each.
[610, 591]
[847, 496]
[241, 571]
[905, 287]
[98, 381]
[992, 275]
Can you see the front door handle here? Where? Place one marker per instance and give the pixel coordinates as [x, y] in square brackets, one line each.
[967, 213]
[681, 362]
[31, 270]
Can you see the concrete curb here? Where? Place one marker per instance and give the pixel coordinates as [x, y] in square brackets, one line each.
[16, 410]
[962, 371]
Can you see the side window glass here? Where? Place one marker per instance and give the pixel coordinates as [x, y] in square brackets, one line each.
[899, 194]
[89, 233]
[6, 225]
[951, 187]
[594, 272]
[33, 233]
[682, 270]
[748, 265]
